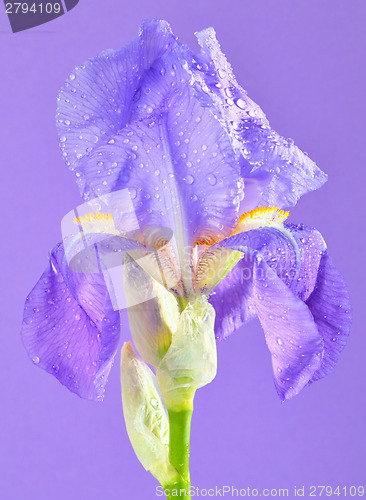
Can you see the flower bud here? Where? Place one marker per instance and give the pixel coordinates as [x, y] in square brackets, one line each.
[145, 417]
[191, 360]
[153, 312]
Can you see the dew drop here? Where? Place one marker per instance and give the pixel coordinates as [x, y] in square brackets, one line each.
[229, 92]
[154, 403]
[189, 179]
[240, 103]
[35, 360]
[211, 179]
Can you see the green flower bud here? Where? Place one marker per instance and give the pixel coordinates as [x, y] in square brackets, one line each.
[153, 312]
[191, 360]
[145, 417]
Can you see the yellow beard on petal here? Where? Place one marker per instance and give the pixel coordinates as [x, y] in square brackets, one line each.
[98, 222]
[261, 217]
[214, 264]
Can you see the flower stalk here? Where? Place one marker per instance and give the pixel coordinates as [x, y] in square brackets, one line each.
[179, 449]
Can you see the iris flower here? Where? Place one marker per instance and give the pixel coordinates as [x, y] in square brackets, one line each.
[198, 158]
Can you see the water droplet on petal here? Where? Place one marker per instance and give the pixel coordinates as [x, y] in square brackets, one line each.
[229, 92]
[279, 341]
[211, 179]
[240, 103]
[189, 179]
[35, 360]
[154, 403]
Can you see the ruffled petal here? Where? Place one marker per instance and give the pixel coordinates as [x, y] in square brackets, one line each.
[179, 168]
[70, 328]
[232, 299]
[97, 98]
[299, 296]
[289, 172]
[330, 306]
[310, 246]
[291, 334]
[233, 296]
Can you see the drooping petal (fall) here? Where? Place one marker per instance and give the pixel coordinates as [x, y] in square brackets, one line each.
[70, 328]
[329, 304]
[233, 296]
[232, 299]
[291, 334]
[298, 295]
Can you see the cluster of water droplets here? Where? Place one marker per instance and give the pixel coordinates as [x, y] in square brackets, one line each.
[75, 351]
[249, 128]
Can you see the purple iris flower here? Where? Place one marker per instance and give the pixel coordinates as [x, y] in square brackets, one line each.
[194, 152]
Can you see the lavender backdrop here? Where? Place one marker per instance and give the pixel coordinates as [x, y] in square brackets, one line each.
[304, 63]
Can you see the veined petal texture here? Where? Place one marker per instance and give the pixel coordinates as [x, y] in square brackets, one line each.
[289, 172]
[298, 295]
[70, 328]
[96, 100]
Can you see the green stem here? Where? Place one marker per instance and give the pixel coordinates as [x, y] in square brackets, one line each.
[179, 436]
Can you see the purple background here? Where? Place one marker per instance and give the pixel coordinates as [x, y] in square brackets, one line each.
[304, 63]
